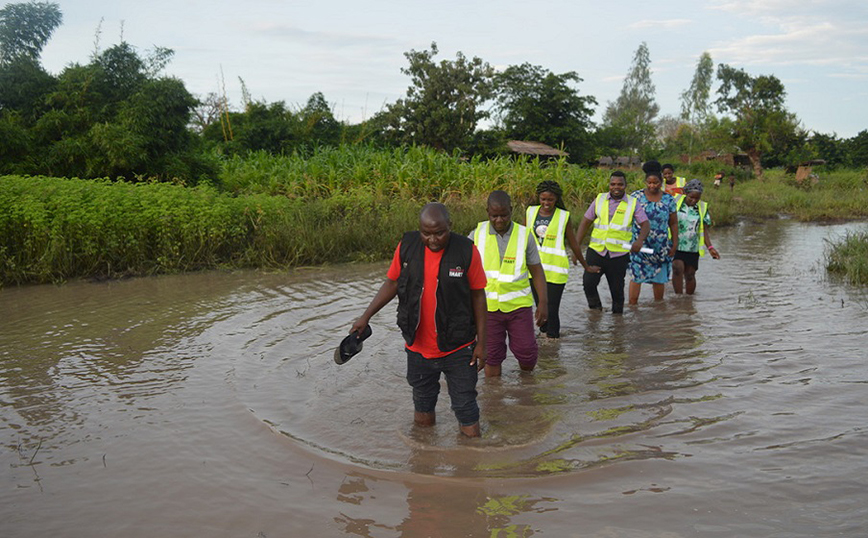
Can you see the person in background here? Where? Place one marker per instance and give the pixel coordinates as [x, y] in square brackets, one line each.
[610, 218]
[440, 284]
[551, 226]
[510, 255]
[672, 184]
[654, 267]
[693, 224]
[731, 182]
[718, 177]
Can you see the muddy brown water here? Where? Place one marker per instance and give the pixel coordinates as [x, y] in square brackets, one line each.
[209, 405]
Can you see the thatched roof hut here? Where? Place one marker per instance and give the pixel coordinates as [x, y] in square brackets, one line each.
[535, 148]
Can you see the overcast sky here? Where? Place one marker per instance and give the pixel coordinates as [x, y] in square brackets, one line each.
[352, 51]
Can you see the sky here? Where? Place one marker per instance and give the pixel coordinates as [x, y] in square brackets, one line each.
[353, 51]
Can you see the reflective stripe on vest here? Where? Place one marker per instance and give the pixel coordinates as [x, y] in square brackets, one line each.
[703, 209]
[508, 286]
[553, 252]
[616, 235]
[680, 182]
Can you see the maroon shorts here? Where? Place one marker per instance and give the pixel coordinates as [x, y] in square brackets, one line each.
[516, 326]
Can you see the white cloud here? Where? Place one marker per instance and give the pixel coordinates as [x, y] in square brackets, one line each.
[660, 25]
[317, 38]
[789, 8]
[802, 41]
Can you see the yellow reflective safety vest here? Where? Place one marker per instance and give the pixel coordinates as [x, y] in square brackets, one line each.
[614, 235]
[703, 210]
[553, 252]
[508, 285]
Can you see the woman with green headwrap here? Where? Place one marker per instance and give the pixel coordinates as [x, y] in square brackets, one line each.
[693, 224]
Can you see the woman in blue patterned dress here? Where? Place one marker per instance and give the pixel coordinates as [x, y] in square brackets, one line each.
[654, 267]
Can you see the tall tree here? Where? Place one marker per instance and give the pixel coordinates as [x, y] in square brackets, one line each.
[632, 114]
[25, 29]
[858, 148]
[318, 124]
[695, 100]
[533, 103]
[760, 121]
[443, 103]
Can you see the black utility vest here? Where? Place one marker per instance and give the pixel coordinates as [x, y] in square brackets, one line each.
[454, 316]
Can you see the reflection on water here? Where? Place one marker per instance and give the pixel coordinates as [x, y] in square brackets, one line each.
[187, 404]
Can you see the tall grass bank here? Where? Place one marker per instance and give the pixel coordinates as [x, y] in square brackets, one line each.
[54, 229]
[331, 206]
[848, 257]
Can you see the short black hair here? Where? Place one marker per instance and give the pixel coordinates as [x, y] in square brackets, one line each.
[435, 211]
[669, 166]
[618, 173]
[499, 198]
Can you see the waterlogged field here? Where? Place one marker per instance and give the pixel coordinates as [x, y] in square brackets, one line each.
[336, 205]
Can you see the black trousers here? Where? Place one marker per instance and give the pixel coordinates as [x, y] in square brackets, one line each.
[554, 292]
[615, 270]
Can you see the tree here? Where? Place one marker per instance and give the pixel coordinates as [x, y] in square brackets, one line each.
[206, 112]
[760, 121]
[695, 104]
[632, 115]
[533, 103]
[114, 117]
[26, 28]
[674, 135]
[262, 126]
[858, 149]
[443, 103]
[318, 124]
[24, 85]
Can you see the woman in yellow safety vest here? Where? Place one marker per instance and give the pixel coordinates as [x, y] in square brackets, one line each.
[693, 223]
[551, 226]
[672, 184]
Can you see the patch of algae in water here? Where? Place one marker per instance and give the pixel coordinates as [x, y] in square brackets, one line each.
[556, 466]
[510, 505]
[609, 414]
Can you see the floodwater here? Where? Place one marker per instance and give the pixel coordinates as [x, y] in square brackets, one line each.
[210, 405]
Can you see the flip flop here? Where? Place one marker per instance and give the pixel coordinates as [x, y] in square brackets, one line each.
[351, 345]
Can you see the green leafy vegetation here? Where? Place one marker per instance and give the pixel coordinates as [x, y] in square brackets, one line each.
[848, 257]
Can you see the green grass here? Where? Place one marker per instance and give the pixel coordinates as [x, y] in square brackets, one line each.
[848, 257]
[337, 205]
[836, 196]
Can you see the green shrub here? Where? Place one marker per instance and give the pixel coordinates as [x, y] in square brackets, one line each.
[848, 257]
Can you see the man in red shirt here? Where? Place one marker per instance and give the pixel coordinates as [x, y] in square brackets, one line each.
[440, 283]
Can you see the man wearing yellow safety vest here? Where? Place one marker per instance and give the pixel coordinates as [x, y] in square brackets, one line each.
[611, 215]
[509, 256]
[671, 184]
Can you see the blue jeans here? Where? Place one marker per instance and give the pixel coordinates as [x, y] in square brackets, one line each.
[424, 376]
